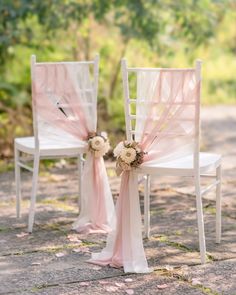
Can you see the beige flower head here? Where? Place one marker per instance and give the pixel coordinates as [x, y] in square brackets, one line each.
[97, 143]
[102, 151]
[128, 155]
[118, 149]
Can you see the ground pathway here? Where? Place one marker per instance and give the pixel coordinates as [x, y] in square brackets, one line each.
[52, 260]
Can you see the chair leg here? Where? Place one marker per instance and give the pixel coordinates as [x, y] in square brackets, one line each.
[80, 170]
[218, 205]
[147, 206]
[200, 220]
[18, 183]
[33, 193]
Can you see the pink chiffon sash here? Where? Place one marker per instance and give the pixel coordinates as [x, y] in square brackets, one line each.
[123, 246]
[65, 105]
[97, 208]
[172, 101]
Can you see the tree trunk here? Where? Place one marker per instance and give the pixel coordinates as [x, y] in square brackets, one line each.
[116, 73]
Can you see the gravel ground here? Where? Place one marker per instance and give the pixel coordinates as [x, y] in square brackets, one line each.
[52, 261]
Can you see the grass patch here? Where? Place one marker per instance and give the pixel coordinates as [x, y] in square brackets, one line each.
[190, 230]
[35, 289]
[157, 212]
[206, 290]
[164, 239]
[56, 249]
[52, 227]
[53, 249]
[6, 166]
[177, 232]
[4, 204]
[179, 246]
[209, 209]
[178, 274]
[68, 198]
[4, 229]
[59, 205]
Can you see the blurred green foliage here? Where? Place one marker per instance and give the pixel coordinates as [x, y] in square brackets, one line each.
[149, 33]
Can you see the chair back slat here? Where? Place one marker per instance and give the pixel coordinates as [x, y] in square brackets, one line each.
[168, 97]
[50, 80]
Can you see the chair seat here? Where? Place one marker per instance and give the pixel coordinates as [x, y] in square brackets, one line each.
[49, 147]
[182, 166]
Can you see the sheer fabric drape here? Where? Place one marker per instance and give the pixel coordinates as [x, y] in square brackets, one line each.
[65, 104]
[165, 110]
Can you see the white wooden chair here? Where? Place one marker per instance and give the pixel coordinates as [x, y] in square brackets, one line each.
[49, 145]
[194, 165]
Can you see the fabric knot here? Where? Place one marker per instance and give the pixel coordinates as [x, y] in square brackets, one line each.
[98, 144]
[128, 155]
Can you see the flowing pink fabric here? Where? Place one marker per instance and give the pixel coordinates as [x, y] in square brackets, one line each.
[165, 128]
[65, 105]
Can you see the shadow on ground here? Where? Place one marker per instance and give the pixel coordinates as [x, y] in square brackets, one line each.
[53, 260]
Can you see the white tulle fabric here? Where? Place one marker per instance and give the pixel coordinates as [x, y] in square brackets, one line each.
[165, 130]
[166, 103]
[66, 111]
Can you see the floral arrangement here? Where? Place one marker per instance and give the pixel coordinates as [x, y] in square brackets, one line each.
[128, 155]
[98, 144]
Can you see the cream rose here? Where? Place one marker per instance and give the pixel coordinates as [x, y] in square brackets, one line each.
[97, 143]
[118, 149]
[105, 148]
[128, 155]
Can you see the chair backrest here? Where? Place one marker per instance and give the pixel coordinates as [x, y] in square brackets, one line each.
[50, 79]
[166, 96]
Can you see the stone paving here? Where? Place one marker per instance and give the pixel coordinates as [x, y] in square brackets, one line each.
[52, 260]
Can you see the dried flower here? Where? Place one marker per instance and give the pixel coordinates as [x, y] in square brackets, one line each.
[98, 144]
[118, 149]
[129, 155]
